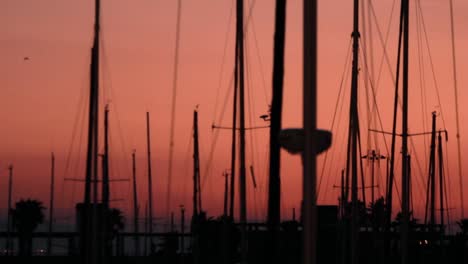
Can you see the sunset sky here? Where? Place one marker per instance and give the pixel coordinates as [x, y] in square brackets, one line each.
[44, 99]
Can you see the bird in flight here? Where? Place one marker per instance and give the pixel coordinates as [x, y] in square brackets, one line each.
[26, 58]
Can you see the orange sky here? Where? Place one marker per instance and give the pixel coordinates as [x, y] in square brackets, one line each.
[42, 98]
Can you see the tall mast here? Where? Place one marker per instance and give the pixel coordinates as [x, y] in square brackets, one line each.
[88, 239]
[310, 131]
[135, 206]
[274, 186]
[274, 183]
[105, 192]
[150, 182]
[353, 139]
[234, 131]
[431, 181]
[105, 164]
[441, 182]
[51, 204]
[242, 173]
[91, 159]
[196, 168]
[391, 160]
[225, 209]
[405, 177]
[197, 209]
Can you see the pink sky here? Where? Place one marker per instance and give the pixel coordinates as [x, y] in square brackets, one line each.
[43, 98]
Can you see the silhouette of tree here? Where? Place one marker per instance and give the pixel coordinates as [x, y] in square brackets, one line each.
[413, 222]
[27, 215]
[116, 220]
[463, 224]
[377, 213]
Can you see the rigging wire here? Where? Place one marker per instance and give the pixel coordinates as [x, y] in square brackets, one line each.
[422, 82]
[366, 73]
[173, 109]
[223, 60]
[343, 139]
[250, 113]
[371, 73]
[418, 4]
[260, 63]
[457, 111]
[343, 77]
[108, 89]
[216, 134]
[79, 121]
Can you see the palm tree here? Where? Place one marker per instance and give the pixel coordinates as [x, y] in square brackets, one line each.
[27, 215]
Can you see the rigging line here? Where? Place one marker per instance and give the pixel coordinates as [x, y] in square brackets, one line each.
[216, 134]
[344, 139]
[418, 4]
[260, 62]
[112, 99]
[251, 103]
[107, 80]
[249, 99]
[173, 109]
[343, 75]
[371, 59]
[411, 139]
[340, 150]
[421, 172]
[384, 43]
[249, 16]
[422, 82]
[366, 80]
[223, 60]
[251, 109]
[78, 122]
[457, 110]
[374, 97]
[80, 139]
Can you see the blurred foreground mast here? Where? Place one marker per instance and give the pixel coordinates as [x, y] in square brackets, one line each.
[274, 183]
[310, 129]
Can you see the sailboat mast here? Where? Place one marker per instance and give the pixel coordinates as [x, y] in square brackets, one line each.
[432, 164]
[225, 175]
[242, 173]
[405, 177]
[91, 159]
[135, 206]
[88, 237]
[234, 132]
[105, 192]
[196, 168]
[51, 204]
[354, 133]
[150, 181]
[441, 181]
[309, 155]
[274, 183]
[105, 169]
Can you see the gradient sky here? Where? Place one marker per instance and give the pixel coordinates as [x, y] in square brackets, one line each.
[44, 99]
